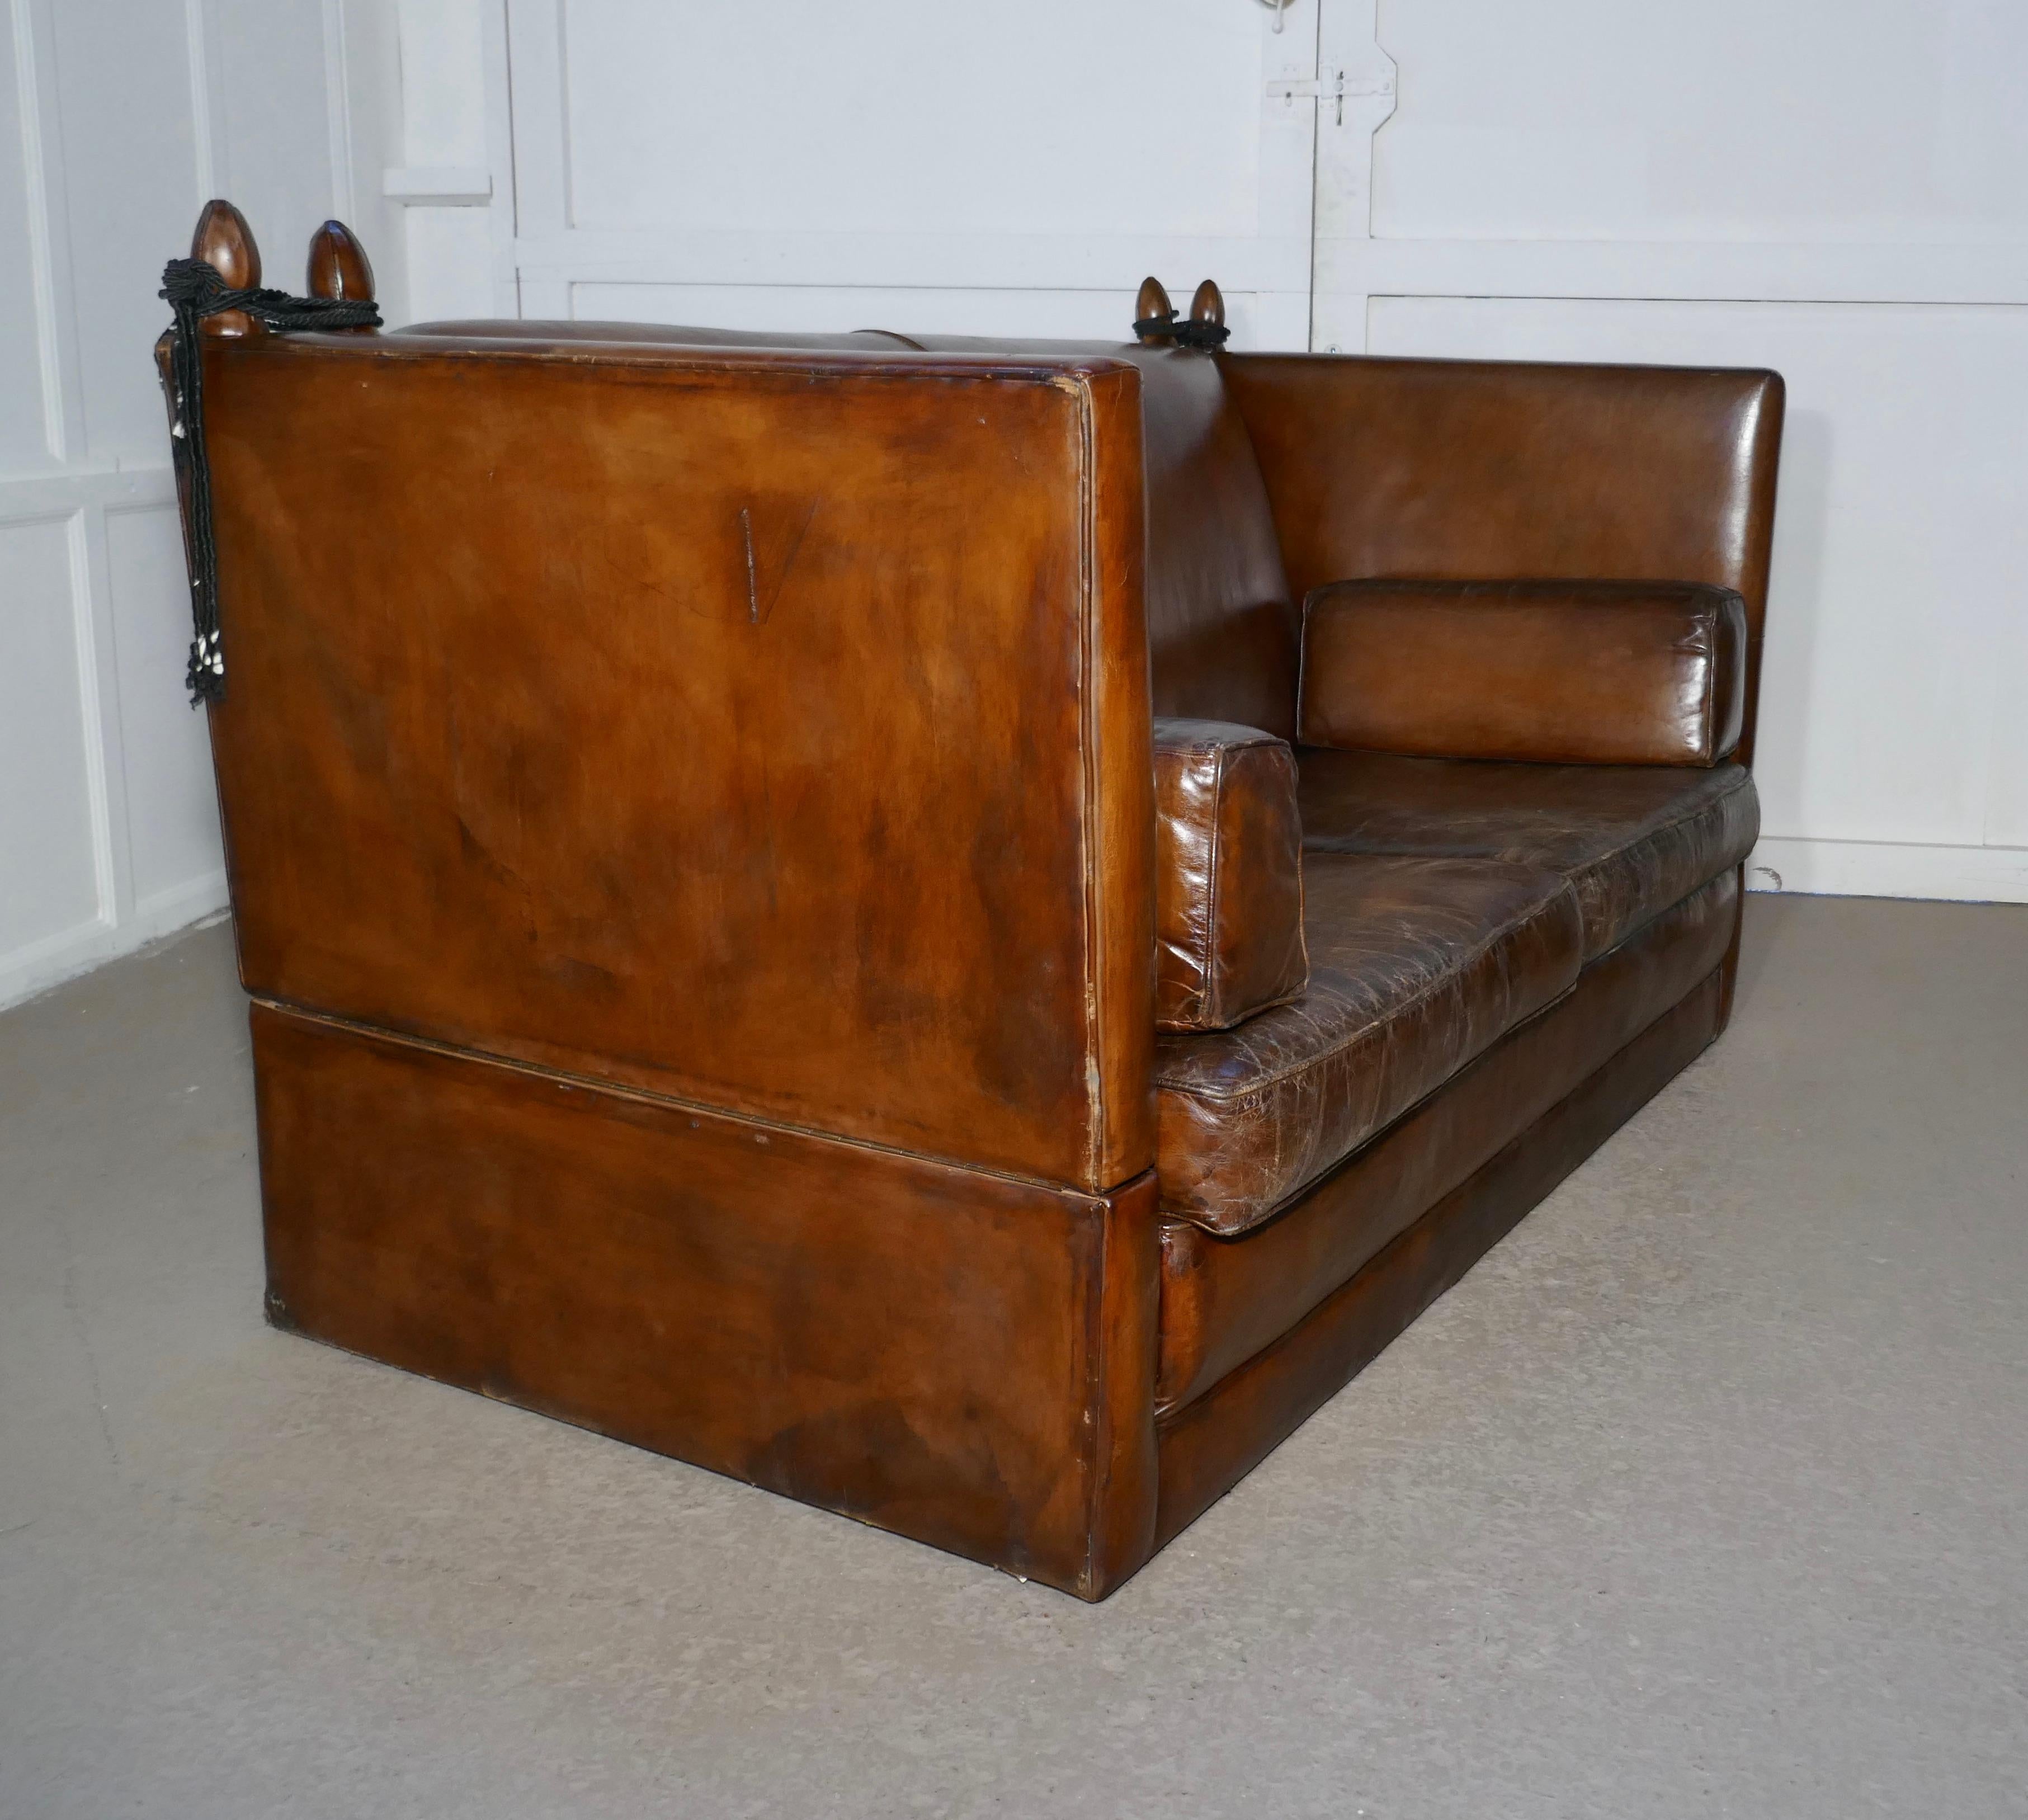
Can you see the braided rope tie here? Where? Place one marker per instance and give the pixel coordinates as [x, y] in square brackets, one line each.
[193, 289]
[1185, 331]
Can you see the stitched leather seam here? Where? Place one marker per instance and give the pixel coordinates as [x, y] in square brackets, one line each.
[648, 1097]
[1211, 1009]
[1707, 721]
[1089, 793]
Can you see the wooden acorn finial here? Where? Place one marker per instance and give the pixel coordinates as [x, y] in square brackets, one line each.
[225, 243]
[1207, 305]
[1152, 302]
[339, 267]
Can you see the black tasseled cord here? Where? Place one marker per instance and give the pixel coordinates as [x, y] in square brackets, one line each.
[194, 289]
[1184, 331]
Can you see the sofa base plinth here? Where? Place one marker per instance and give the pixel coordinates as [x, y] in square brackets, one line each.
[1210, 1444]
[960, 1357]
[963, 1359]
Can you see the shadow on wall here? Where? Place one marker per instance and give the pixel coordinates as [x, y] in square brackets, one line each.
[1795, 613]
[1796, 608]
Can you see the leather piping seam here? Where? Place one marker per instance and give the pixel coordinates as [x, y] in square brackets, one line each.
[1707, 745]
[1090, 1291]
[1090, 793]
[1208, 1007]
[1092, 1279]
[879, 362]
[647, 1096]
[1302, 659]
[1478, 952]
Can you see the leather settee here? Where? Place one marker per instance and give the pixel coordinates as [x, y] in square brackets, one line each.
[960, 930]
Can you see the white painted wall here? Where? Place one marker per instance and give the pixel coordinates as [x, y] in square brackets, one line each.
[118, 119]
[886, 165]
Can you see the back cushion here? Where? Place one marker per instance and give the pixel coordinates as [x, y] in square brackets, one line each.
[1551, 672]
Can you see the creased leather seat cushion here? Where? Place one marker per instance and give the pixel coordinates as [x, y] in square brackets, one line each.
[1632, 839]
[1416, 965]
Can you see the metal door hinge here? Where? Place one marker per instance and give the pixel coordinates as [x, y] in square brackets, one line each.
[1334, 89]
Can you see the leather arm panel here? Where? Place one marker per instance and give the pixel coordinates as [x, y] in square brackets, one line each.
[762, 728]
[1550, 672]
[1229, 875]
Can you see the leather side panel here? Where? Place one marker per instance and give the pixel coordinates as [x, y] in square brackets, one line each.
[1223, 1299]
[1209, 1446]
[766, 730]
[960, 1358]
[1543, 671]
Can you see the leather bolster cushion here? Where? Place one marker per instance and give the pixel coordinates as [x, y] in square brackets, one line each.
[1585, 672]
[1229, 875]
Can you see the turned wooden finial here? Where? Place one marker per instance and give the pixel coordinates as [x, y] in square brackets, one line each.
[1153, 301]
[339, 267]
[1207, 305]
[225, 243]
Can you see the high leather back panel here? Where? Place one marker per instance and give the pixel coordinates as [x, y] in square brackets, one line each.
[765, 729]
[1224, 634]
[1492, 470]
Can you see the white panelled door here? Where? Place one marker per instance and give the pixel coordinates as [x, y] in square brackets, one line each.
[888, 164]
[1839, 192]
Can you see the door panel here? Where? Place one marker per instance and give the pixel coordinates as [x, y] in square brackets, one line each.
[970, 171]
[1814, 120]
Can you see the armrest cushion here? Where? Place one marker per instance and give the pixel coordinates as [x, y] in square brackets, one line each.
[1549, 672]
[1228, 874]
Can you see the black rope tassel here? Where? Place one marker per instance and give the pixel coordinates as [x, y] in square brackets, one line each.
[193, 290]
[1185, 331]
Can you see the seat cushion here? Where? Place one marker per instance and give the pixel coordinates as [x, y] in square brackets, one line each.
[1631, 839]
[1416, 965]
[1223, 1299]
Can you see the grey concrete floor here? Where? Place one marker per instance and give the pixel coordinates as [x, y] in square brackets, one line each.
[1706, 1493]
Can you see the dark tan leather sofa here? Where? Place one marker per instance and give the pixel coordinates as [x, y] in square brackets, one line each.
[962, 931]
